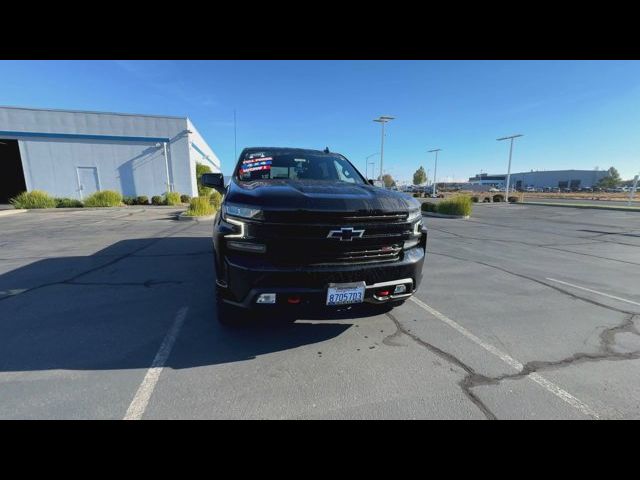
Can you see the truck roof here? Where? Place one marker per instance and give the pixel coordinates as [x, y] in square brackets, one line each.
[288, 150]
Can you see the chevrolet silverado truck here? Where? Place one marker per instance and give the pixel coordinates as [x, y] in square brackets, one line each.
[300, 227]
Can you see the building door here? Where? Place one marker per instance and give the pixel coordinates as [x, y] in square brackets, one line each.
[11, 175]
[88, 182]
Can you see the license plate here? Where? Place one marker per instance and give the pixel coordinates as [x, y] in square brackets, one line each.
[345, 293]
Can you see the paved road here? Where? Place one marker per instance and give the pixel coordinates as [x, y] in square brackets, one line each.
[524, 313]
[584, 201]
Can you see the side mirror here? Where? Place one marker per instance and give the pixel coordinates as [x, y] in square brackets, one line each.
[370, 181]
[213, 180]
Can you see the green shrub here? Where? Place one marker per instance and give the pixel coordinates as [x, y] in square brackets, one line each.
[200, 169]
[129, 200]
[215, 199]
[428, 207]
[142, 200]
[199, 207]
[68, 203]
[475, 199]
[33, 199]
[172, 198]
[185, 198]
[498, 198]
[417, 195]
[460, 205]
[157, 200]
[514, 199]
[486, 200]
[104, 198]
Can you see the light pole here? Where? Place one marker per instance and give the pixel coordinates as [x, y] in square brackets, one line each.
[506, 190]
[382, 119]
[633, 190]
[373, 169]
[435, 171]
[166, 163]
[366, 164]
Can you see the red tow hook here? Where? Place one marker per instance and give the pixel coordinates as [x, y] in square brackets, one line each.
[294, 299]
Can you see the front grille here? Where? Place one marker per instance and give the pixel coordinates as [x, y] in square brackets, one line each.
[298, 243]
[361, 255]
[333, 218]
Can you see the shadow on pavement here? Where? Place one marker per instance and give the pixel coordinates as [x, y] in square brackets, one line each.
[113, 309]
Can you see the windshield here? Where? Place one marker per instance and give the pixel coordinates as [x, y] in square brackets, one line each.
[270, 165]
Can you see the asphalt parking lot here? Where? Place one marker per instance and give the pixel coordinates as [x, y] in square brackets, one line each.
[524, 312]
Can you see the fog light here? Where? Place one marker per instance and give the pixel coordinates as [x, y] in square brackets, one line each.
[267, 298]
[294, 299]
[400, 289]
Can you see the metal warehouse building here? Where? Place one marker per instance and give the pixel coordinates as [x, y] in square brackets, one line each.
[74, 153]
[552, 178]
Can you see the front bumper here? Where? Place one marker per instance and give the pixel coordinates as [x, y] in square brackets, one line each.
[245, 279]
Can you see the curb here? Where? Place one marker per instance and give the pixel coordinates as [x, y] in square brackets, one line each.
[12, 212]
[129, 208]
[187, 218]
[443, 215]
[575, 205]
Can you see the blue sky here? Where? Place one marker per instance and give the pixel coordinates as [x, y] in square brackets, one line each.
[574, 114]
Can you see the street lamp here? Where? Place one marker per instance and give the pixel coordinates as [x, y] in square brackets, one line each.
[382, 119]
[373, 169]
[435, 171]
[633, 190]
[506, 190]
[366, 164]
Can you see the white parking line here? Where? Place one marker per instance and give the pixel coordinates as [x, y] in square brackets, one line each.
[512, 362]
[141, 399]
[595, 291]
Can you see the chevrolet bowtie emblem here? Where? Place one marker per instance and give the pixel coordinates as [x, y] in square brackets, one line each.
[346, 234]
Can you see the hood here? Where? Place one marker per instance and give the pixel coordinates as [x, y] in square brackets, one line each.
[318, 196]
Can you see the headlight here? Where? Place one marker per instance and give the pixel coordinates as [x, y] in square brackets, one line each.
[414, 215]
[243, 212]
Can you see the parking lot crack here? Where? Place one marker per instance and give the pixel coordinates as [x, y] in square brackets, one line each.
[72, 279]
[470, 380]
[588, 255]
[607, 353]
[147, 284]
[474, 379]
[533, 279]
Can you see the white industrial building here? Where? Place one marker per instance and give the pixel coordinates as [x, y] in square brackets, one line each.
[541, 179]
[74, 153]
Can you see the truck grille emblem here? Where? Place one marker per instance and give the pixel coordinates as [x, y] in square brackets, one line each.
[346, 234]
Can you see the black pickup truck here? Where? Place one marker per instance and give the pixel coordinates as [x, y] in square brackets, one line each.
[302, 227]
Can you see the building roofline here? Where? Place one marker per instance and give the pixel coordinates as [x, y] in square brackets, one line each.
[92, 112]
